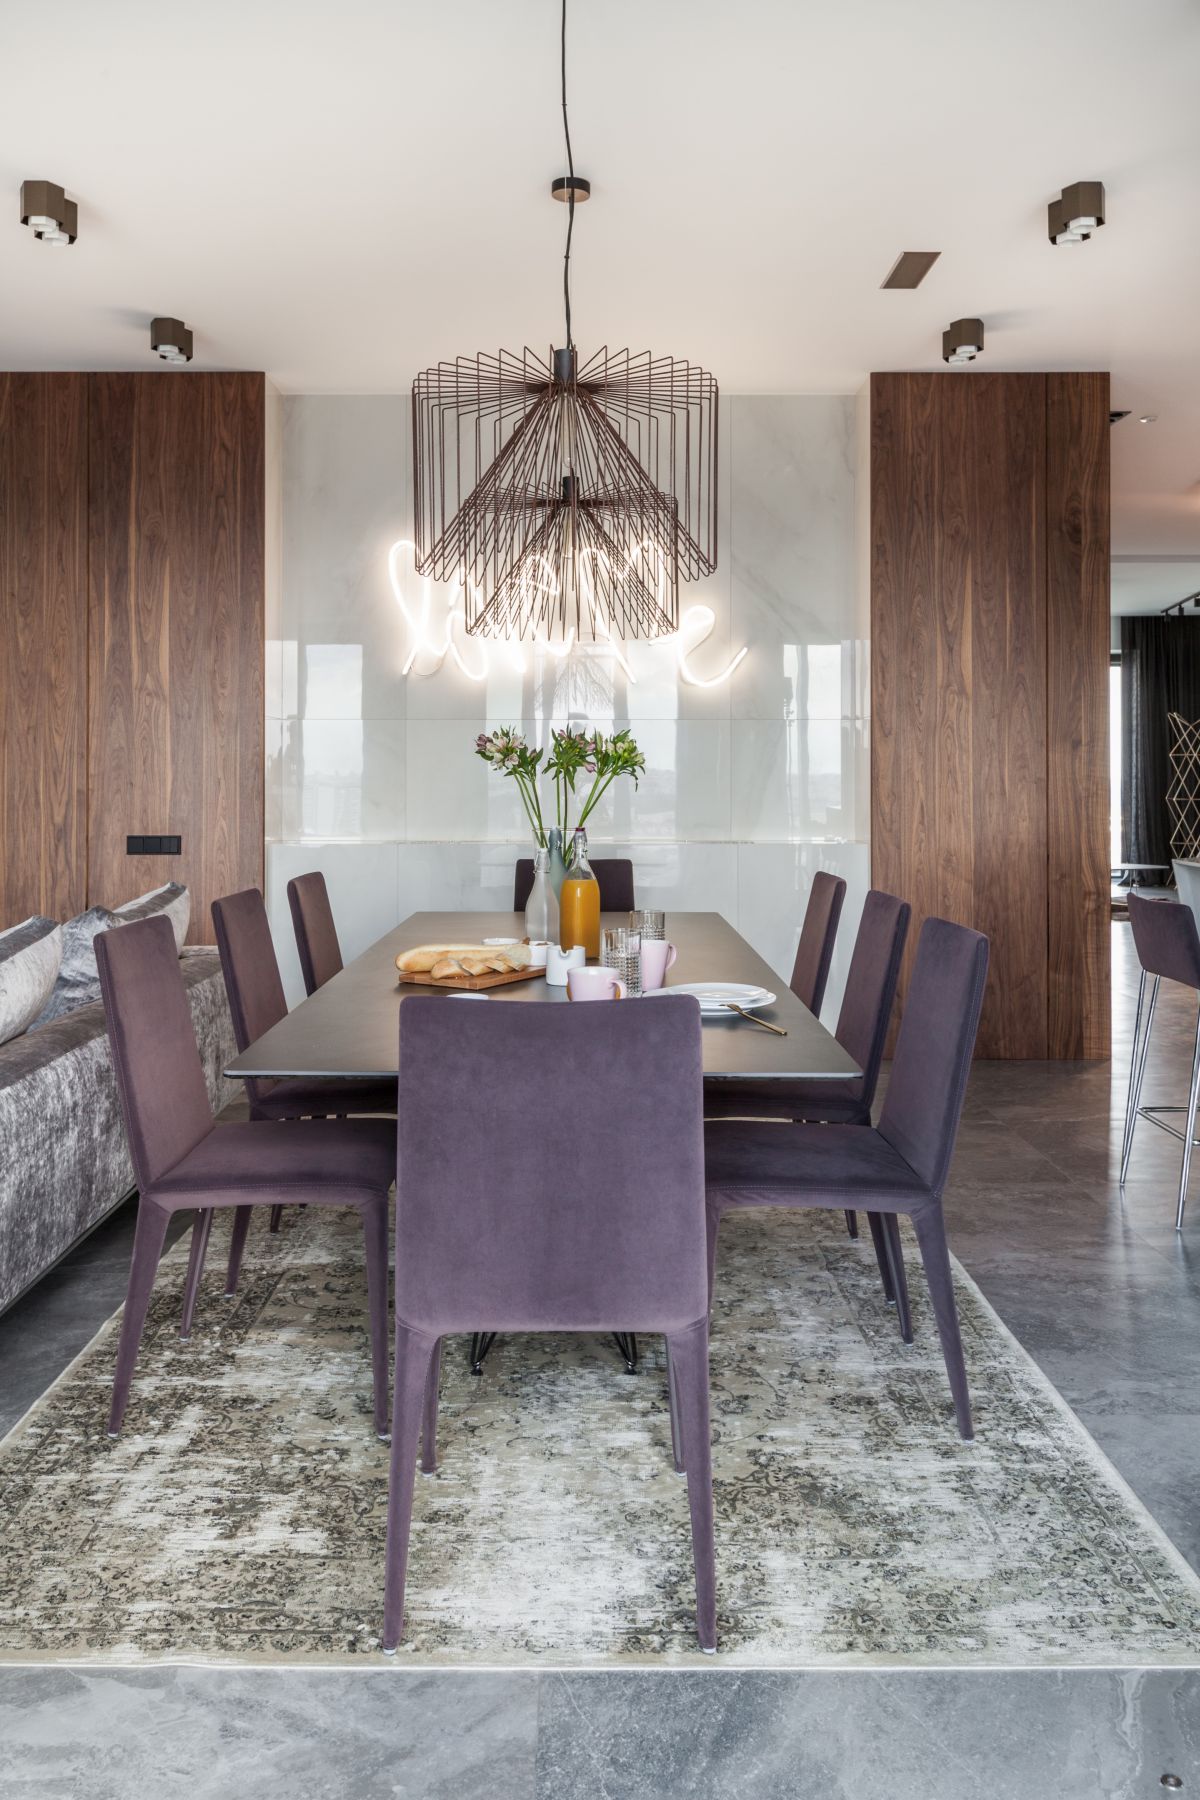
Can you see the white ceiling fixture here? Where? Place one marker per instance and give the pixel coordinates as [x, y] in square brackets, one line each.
[962, 342]
[171, 339]
[48, 213]
[1077, 213]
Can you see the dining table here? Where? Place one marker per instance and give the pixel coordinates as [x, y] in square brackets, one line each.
[350, 1027]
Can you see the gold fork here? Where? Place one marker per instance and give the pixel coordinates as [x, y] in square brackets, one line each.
[732, 1006]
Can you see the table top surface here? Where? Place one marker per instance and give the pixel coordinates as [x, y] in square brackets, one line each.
[350, 1027]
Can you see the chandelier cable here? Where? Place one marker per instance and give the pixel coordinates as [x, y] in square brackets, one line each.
[570, 344]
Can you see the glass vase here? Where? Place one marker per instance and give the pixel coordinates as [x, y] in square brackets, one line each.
[558, 866]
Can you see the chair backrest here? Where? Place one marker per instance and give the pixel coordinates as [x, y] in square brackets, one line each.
[316, 933]
[1165, 938]
[550, 1166]
[153, 1041]
[933, 1051]
[818, 934]
[871, 986]
[250, 968]
[614, 873]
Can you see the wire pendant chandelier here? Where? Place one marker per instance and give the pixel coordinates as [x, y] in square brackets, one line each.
[568, 497]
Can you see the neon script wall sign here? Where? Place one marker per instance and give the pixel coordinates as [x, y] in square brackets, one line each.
[435, 614]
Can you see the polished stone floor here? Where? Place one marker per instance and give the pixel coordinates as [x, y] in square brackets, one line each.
[1098, 1287]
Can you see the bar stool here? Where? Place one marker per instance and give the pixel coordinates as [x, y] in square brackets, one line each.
[1168, 949]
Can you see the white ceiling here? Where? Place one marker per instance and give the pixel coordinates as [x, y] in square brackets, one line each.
[342, 193]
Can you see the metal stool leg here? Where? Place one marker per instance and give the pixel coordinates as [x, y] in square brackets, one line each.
[1190, 1131]
[1137, 1071]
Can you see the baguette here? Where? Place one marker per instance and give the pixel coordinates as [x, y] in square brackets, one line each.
[427, 959]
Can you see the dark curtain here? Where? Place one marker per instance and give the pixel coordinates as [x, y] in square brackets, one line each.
[1160, 674]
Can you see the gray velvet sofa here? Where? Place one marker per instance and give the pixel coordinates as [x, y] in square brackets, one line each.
[64, 1162]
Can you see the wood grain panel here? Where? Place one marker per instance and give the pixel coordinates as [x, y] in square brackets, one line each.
[43, 645]
[176, 537]
[1077, 644]
[967, 750]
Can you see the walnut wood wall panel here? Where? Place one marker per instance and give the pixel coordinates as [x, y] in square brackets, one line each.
[43, 645]
[1077, 478]
[978, 566]
[176, 541]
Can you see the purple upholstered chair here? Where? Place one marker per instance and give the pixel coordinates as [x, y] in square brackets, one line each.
[594, 1221]
[614, 873]
[256, 1002]
[862, 1030]
[818, 934]
[1168, 949]
[899, 1166]
[316, 934]
[183, 1162]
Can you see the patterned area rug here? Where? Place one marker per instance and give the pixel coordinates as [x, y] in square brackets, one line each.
[240, 1518]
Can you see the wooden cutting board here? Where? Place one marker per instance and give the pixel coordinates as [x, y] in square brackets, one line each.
[471, 983]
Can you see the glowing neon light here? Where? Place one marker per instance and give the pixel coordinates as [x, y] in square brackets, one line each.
[431, 642]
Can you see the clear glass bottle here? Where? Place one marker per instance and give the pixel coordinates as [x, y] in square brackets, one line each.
[579, 902]
[541, 908]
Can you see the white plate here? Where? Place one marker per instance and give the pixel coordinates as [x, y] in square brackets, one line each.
[714, 996]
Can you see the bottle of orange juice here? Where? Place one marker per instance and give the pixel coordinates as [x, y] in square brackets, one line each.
[579, 902]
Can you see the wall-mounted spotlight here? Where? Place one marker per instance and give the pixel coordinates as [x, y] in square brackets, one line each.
[171, 339]
[962, 342]
[48, 212]
[1077, 213]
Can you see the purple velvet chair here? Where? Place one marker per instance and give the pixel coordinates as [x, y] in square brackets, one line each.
[256, 1002]
[183, 1162]
[1168, 949]
[899, 1166]
[818, 934]
[614, 873]
[316, 934]
[592, 1221]
[862, 1030]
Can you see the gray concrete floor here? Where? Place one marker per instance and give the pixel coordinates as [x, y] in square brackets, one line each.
[1098, 1287]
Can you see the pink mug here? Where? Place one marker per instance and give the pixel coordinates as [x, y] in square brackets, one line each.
[594, 984]
[657, 958]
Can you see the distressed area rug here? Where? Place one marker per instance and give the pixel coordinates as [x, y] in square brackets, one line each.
[240, 1517]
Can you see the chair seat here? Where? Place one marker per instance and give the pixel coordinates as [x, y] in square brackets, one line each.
[809, 1165]
[831, 1102]
[304, 1096]
[328, 1162]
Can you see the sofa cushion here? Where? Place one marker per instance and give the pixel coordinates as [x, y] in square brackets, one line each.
[78, 982]
[30, 955]
[171, 899]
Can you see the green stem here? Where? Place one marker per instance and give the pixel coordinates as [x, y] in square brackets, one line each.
[599, 787]
[535, 818]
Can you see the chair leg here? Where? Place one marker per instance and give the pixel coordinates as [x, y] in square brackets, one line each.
[1133, 1058]
[931, 1236]
[1190, 1132]
[852, 1223]
[191, 1287]
[875, 1221]
[688, 1353]
[673, 1405]
[237, 1244]
[276, 1217]
[414, 1356]
[894, 1252]
[1137, 1070]
[713, 1231]
[429, 1416]
[375, 1244]
[149, 1236]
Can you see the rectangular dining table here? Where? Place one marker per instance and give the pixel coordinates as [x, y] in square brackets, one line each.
[349, 1027]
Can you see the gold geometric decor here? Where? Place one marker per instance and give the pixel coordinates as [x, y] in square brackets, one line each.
[1183, 791]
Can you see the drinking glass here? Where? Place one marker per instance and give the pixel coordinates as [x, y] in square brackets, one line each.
[648, 924]
[621, 949]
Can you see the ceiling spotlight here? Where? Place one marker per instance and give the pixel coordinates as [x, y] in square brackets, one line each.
[48, 212]
[171, 339]
[1148, 419]
[1077, 213]
[962, 343]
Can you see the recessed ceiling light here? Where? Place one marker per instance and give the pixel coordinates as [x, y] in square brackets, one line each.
[1077, 213]
[962, 342]
[171, 339]
[1148, 419]
[48, 213]
[910, 268]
